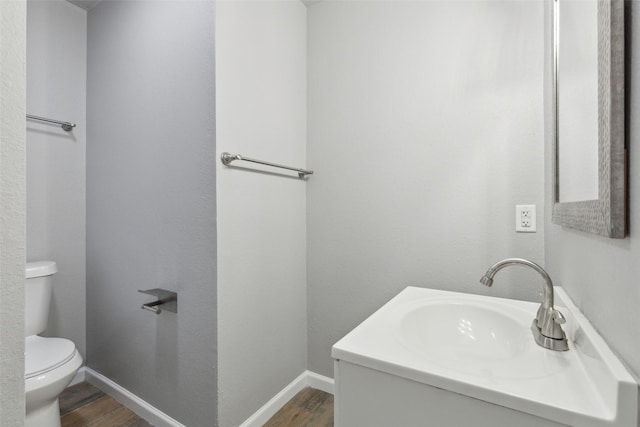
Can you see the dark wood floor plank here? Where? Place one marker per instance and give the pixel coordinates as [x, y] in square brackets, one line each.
[78, 395]
[303, 397]
[322, 416]
[88, 414]
[84, 405]
[292, 416]
[118, 417]
[308, 408]
[317, 400]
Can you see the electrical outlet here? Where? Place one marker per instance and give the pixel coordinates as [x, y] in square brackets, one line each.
[526, 218]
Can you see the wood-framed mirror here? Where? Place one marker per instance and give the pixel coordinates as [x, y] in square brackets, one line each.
[589, 153]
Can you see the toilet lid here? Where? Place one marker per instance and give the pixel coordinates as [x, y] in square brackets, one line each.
[44, 354]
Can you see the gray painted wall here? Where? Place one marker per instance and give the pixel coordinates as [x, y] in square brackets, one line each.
[12, 210]
[151, 204]
[600, 274]
[56, 88]
[425, 127]
[262, 242]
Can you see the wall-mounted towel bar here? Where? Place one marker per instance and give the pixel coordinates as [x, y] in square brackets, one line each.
[64, 125]
[227, 158]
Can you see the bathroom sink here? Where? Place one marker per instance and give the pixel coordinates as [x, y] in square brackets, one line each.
[468, 332]
[485, 337]
[482, 347]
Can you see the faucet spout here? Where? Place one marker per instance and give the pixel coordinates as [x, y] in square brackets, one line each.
[546, 325]
[547, 291]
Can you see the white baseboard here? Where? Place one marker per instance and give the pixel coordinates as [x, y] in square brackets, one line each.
[130, 400]
[320, 382]
[160, 419]
[268, 410]
[78, 377]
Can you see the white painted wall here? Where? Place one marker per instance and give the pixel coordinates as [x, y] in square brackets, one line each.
[425, 127]
[56, 184]
[600, 274]
[151, 213]
[12, 210]
[261, 113]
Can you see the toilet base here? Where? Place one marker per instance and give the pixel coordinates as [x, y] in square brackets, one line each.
[42, 390]
[47, 415]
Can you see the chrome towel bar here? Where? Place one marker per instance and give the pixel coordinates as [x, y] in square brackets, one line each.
[227, 158]
[64, 125]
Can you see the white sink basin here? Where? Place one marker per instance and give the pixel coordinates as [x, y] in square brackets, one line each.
[482, 347]
[486, 338]
[462, 331]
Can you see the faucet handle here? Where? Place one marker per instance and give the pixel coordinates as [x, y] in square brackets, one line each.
[558, 317]
[550, 326]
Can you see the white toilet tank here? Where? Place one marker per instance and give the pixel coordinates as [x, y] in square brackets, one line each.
[37, 293]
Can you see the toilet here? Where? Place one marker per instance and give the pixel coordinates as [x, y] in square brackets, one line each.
[50, 363]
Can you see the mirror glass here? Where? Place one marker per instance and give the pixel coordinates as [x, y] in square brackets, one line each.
[577, 80]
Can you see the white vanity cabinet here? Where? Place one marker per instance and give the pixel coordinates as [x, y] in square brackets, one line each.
[366, 397]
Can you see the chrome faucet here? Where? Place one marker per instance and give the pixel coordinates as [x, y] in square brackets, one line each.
[546, 327]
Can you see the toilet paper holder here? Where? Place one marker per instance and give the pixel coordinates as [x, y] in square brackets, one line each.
[167, 299]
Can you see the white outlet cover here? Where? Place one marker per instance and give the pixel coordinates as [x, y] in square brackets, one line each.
[525, 223]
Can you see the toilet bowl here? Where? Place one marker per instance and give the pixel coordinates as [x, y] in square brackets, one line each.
[50, 363]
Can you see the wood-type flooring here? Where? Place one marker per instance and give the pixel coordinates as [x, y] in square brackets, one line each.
[308, 408]
[83, 405]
